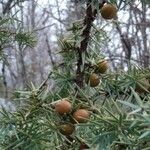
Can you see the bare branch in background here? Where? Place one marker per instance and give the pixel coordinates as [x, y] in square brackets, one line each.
[7, 6]
[59, 17]
[126, 43]
[4, 79]
[49, 51]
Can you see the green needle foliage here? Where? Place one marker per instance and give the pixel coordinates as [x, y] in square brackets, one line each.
[8, 35]
[118, 121]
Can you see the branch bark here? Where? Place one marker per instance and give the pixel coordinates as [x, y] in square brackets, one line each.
[88, 21]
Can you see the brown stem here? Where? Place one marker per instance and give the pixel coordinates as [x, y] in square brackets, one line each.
[88, 21]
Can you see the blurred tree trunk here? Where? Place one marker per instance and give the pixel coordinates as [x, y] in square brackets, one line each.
[146, 54]
[32, 8]
[59, 17]
[6, 9]
[22, 55]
